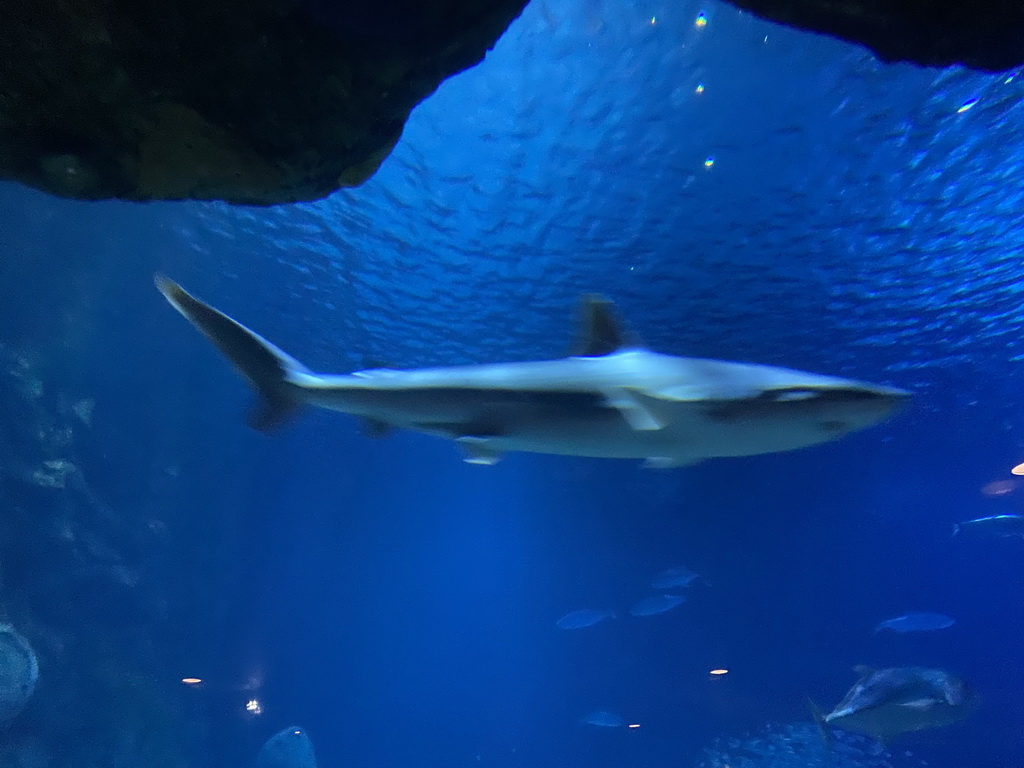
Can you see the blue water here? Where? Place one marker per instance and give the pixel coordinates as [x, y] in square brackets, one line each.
[809, 207]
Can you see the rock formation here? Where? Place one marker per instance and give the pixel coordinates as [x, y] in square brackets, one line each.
[248, 101]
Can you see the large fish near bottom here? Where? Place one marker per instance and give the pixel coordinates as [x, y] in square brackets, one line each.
[612, 399]
[289, 748]
[887, 702]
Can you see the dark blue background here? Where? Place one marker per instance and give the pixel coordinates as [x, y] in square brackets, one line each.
[401, 604]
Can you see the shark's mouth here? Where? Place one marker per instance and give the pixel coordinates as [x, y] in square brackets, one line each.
[796, 401]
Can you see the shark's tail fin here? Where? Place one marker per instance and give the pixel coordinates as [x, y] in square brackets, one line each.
[264, 365]
[824, 730]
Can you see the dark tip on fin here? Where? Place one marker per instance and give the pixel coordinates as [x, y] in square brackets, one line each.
[600, 330]
[376, 428]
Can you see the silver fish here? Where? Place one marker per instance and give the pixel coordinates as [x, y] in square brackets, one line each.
[916, 622]
[604, 719]
[612, 399]
[656, 604]
[581, 619]
[997, 525]
[677, 577]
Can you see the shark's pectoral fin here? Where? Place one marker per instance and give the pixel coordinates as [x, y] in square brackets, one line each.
[478, 450]
[640, 416]
[668, 462]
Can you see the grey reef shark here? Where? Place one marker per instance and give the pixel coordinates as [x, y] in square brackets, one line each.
[611, 399]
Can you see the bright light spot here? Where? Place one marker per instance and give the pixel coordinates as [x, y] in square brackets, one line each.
[654, 20]
[297, 733]
[702, 20]
[709, 162]
[1009, 80]
[966, 105]
[191, 680]
[719, 672]
[699, 88]
[253, 706]
[634, 725]
[1018, 470]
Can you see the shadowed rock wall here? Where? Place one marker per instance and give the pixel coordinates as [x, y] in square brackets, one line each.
[249, 101]
[986, 35]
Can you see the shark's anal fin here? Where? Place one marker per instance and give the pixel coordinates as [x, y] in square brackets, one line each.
[638, 415]
[478, 450]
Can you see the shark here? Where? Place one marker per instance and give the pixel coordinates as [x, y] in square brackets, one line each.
[611, 398]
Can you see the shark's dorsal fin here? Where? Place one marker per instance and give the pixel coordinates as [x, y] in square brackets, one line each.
[600, 331]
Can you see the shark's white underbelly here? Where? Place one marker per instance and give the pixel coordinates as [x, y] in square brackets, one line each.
[579, 424]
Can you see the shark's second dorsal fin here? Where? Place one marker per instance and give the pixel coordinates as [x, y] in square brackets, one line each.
[600, 331]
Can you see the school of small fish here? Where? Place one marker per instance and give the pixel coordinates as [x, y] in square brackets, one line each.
[883, 703]
[678, 577]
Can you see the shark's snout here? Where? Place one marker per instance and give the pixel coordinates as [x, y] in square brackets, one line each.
[851, 408]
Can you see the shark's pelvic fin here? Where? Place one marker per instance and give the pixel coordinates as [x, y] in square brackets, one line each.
[478, 450]
[600, 331]
[264, 365]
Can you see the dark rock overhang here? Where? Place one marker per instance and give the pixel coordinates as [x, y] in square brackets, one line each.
[985, 34]
[248, 101]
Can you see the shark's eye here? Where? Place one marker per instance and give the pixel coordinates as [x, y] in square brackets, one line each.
[833, 426]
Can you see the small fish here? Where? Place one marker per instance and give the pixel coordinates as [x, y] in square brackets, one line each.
[678, 577]
[655, 604]
[916, 622]
[887, 702]
[998, 525]
[587, 617]
[290, 748]
[604, 719]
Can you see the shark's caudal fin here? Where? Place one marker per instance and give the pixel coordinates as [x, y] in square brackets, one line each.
[264, 365]
[827, 738]
[600, 331]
